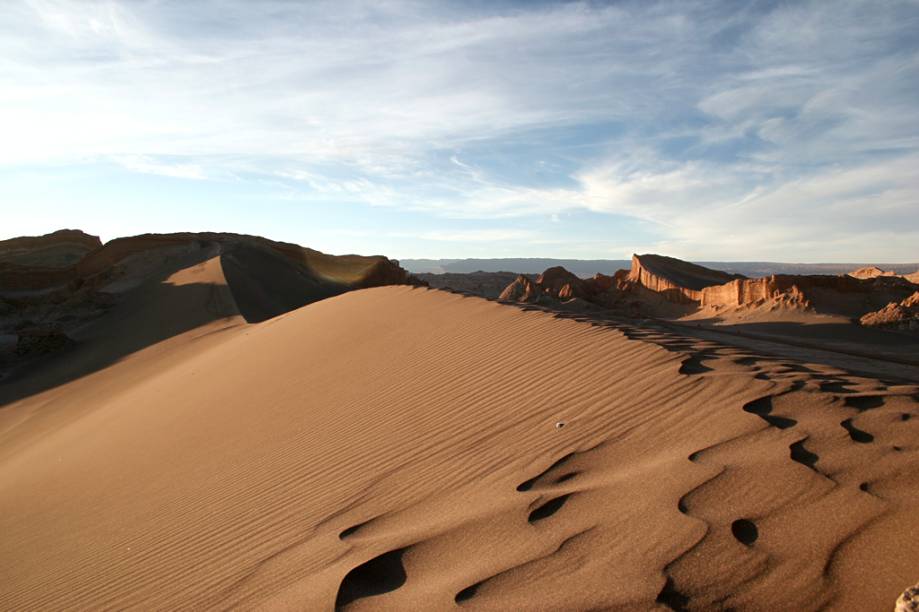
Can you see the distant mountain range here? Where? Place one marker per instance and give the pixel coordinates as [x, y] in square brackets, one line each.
[588, 267]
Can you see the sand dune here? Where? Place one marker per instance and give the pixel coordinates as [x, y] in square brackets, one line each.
[403, 448]
[136, 292]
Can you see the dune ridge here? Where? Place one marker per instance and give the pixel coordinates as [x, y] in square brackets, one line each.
[303, 463]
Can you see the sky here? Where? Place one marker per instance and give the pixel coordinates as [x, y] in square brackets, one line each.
[741, 131]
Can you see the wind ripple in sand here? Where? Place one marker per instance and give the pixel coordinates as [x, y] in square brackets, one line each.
[239, 471]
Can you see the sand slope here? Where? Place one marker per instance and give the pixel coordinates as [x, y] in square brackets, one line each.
[397, 448]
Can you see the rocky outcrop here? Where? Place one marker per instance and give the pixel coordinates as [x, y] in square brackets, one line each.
[39, 262]
[100, 265]
[42, 308]
[677, 281]
[562, 284]
[839, 295]
[523, 289]
[870, 272]
[60, 249]
[558, 284]
[852, 295]
[745, 292]
[903, 315]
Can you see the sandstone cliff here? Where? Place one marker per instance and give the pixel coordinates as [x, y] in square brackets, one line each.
[839, 295]
[678, 281]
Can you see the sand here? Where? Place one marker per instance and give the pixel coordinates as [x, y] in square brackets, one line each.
[398, 448]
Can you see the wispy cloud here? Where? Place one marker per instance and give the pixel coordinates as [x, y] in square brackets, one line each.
[770, 129]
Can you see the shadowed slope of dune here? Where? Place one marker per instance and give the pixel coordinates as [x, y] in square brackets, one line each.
[398, 448]
[186, 293]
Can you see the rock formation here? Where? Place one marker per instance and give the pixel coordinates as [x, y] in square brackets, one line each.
[870, 272]
[558, 284]
[903, 315]
[60, 249]
[851, 295]
[25, 267]
[677, 281]
[53, 285]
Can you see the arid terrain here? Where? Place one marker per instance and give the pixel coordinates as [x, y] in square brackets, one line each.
[213, 421]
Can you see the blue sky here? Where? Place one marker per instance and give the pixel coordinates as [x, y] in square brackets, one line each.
[784, 131]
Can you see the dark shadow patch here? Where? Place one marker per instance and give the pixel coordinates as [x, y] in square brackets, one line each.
[693, 365]
[897, 448]
[746, 361]
[864, 487]
[761, 376]
[762, 408]
[548, 509]
[803, 456]
[565, 477]
[380, 575]
[672, 598]
[835, 386]
[905, 416]
[857, 435]
[350, 531]
[745, 531]
[467, 593]
[526, 485]
[864, 402]
[265, 283]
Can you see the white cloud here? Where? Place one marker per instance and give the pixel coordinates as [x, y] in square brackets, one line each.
[719, 124]
[145, 165]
